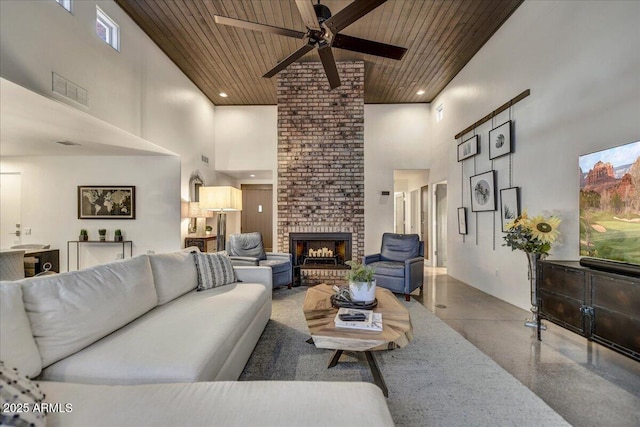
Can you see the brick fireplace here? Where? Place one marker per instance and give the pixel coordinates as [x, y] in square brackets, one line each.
[321, 159]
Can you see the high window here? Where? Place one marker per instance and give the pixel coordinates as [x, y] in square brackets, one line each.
[439, 112]
[107, 29]
[65, 3]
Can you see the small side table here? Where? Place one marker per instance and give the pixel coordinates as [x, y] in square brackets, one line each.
[204, 243]
[100, 242]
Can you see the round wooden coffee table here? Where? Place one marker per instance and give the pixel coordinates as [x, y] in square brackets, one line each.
[396, 328]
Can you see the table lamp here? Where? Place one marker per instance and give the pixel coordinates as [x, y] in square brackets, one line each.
[222, 199]
[198, 221]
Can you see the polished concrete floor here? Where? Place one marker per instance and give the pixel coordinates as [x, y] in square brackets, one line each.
[587, 384]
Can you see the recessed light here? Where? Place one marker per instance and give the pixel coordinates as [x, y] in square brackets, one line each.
[253, 175]
[223, 94]
[420, 92]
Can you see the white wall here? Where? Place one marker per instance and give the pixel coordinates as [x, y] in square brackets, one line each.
[581, 62]
[49, 202]
[137, 89]
[395, 137]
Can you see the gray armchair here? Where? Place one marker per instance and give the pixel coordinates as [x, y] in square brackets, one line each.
[248, 249]
[400, 263]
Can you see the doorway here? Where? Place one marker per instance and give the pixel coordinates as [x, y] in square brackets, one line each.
[257, 212]
[424, 219]
[440, 251]
[11, 207]
[399, 218]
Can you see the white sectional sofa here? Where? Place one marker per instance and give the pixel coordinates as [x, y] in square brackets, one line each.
[133, 343]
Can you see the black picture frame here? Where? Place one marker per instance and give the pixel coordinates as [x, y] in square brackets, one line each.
[468, 148]
[483, 192]
[462, 221]
[106, 202]
[500, 140]
[509, 206]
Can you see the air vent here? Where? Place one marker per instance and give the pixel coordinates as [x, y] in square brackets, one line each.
[70, 90]
[204, 159]
[68, 143]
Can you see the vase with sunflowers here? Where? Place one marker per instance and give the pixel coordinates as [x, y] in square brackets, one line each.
[534, 236]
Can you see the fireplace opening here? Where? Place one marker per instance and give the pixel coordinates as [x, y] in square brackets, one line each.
[320, 250]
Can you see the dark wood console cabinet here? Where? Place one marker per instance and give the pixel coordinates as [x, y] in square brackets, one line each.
[601, 306]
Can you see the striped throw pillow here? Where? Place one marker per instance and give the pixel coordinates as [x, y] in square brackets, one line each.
[214, 269]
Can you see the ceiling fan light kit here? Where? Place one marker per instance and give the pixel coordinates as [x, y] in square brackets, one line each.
[323, 33]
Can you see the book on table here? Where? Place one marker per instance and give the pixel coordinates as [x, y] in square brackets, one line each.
[372, 321]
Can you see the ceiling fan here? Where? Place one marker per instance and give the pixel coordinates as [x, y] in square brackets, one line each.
[323, 32]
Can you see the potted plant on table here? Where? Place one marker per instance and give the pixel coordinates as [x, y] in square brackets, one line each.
[117, 235]
[103, 234]
[208, 229]
[362, 285]
[84, 236]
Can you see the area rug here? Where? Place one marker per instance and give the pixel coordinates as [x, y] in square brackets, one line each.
[440, 379]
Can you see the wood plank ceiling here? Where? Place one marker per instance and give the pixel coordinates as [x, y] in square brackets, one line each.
[441, 37]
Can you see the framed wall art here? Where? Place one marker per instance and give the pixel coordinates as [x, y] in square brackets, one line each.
[500, 140]
[462, 220]
[483, 194]
[468, 148]
[106, 202]
[509, 205]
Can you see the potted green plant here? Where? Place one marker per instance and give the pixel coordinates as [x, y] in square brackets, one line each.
[84, 236]
[117, 235]
[208, 229]
[103, 234]
[362, 285]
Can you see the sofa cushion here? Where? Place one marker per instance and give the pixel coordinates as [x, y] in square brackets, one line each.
[17, 346]
[18, 397]
[388, 268]
[70, 311]
[174, 274]
[187, 339]
[247, 245]
[214, 269]
[399, 247]
[277, 265]
[221, 403]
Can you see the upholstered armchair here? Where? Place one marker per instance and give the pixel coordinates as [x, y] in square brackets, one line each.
[248, 249]
[400, 263]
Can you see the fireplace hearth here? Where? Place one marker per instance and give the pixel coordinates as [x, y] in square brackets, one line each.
[320, 250]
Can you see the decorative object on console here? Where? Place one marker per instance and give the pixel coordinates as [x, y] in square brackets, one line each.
[103, 234]
[106, 202]
[117, 235]
[362, 285]
[198, 217]
[534, 236]
[610, 203]
[483, 193]
[214, 269]
[462, 220]
[84, 236]
[222, 199]
[468, 148]
[509, 206]
[500, 140]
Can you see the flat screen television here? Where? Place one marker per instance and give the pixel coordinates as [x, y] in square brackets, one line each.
[610, 204]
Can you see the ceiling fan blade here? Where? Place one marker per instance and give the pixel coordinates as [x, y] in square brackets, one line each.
[356, 44]
[290, 59]
[308, 14]
[329, 64]
[351, 13]
[257, 27]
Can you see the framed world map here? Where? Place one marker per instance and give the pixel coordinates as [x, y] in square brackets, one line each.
[106, 202]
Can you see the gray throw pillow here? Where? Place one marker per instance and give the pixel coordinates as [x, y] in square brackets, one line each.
[214, 269]
[21, 400]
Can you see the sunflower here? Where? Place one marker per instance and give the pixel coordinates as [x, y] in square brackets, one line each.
[544, 229]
